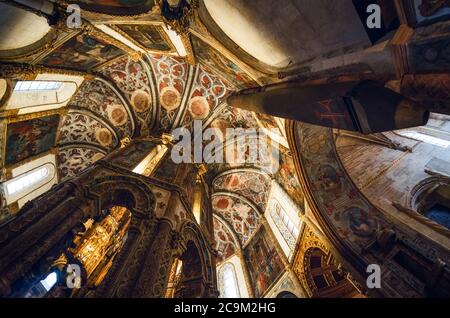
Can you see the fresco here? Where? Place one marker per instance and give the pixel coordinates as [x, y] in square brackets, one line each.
[217, 63]
[207, 93]
[82, 52]
[151, 37]
[353, 217]
[264, 263]
[77, 127]
[99, 98]
[29, 138]
[72, 161]
[225, 244]
[287, 177]
[240, 215]
[252, 185]
[171, 77]
[133, 80]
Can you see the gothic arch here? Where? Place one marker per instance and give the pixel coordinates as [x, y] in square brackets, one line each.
[359, 231]
[126, 191]
[231, 238]
[197, 263]
[230, 206]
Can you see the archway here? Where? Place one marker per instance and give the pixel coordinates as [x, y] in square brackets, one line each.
[191, 280]
[324, 278]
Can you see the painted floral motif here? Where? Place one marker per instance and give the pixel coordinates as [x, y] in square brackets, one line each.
[77, 127]
[241, 216]
[171, 77]
[133, 80]
[225, 244]
[253, 185]
[207, 93]
[72, 161]
[100, 98]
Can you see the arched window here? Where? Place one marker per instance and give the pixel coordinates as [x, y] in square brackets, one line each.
[282, 215]
[27, 180]
[287, 228]
[50, 281]
[22, 86]
[228, 284]
[47, 91]
[30, 180]
[431, 198]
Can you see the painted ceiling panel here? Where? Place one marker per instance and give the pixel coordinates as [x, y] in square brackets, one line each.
[172, 83]
[78, 128]
[82, 52]
[133, 80]
[253, 185]
[225, 244]
[29, 138]
[243, 218]
[72, 161]
[98, 97]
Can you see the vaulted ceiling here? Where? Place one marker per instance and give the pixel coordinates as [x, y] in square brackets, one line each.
[137, 83]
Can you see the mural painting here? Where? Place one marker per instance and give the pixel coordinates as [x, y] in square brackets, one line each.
[239, 214]
[225, 244]
[151, 37]
[252, 185]
[217, 63]
[72, 161]
[82, 52]
[133, 80]
[29, 138]
[264, 263]
[171, 78]
[99, 98]
[287, 177]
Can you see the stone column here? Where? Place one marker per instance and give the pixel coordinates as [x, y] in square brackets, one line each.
[124, 273]
[156, 268]
[40, 228]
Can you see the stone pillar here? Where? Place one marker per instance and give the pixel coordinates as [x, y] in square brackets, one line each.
[155, 273]
[123, 275]
[364, 106]
[41, 227]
